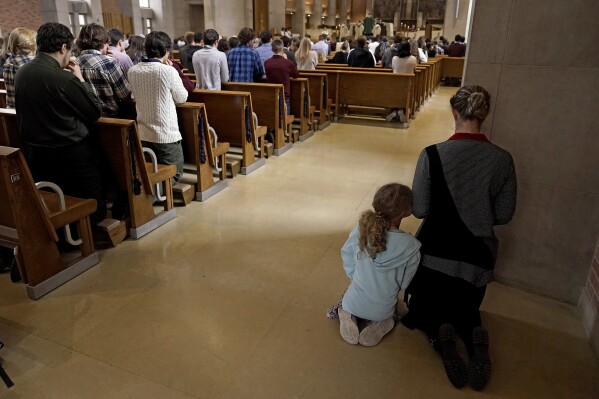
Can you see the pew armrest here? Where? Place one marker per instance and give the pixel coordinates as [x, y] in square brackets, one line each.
[154, 163]
[61, 208]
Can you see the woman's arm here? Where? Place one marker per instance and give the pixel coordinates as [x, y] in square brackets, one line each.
[421, 187]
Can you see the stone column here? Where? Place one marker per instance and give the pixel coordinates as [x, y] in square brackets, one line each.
[276, 14]
[299, 18]
[370, 8]
[54, 11]
[331, 11]
[408, 14]
[316, 17]
[343, 12]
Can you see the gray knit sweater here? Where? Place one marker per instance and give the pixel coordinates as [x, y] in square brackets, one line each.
[482, 181]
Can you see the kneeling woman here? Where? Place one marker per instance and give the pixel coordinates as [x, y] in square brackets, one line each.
[462, 188]
[157, 89]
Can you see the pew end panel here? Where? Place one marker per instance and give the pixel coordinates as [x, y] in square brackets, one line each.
[201, 151]
[319, 97]
[268, 102]
[230, 114]
[122, 152]
[300, 107]
[28, 222]
[9, 136]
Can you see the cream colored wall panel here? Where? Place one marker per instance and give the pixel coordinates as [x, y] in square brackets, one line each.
[560, 33]
[548, 246]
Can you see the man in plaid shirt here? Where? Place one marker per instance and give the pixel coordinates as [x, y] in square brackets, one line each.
[103, 73]
[244, 62]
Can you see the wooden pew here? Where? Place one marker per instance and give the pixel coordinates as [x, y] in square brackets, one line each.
[119, 142]
[2, 98]
[114, 137]
[376, 90]
[453, 67]
[9, 132]
[200, 151]
[2, 84]
[319, 98]
[268, 102]
[28, 222]
[231, 115]
[332, 82]
[301, 107]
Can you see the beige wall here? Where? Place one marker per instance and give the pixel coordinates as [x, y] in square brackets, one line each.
[544, 94]
[456, 26]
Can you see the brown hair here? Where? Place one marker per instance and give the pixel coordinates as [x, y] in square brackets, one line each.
[21, 41]
[92, 37]
[471, 103]
[389, 202]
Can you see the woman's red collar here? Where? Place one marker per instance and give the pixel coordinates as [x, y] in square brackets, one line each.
[469, 136]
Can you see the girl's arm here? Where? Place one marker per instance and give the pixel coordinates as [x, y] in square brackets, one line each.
[349, 252]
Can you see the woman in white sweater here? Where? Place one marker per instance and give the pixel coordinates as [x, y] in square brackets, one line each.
[157, 89]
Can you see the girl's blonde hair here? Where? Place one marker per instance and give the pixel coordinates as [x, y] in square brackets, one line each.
[303, 53]
[21, 41]
[390, 201]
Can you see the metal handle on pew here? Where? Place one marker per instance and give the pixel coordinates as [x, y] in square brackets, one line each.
[257, 147]
[61, 206]
[148, 151]
[215, 140]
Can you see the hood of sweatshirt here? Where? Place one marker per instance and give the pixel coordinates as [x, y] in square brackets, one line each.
[401, 246]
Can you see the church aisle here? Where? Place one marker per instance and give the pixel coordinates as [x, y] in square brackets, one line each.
[228, 300]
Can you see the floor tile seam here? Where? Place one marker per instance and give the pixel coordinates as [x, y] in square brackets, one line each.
[136, 374]
[72, 350]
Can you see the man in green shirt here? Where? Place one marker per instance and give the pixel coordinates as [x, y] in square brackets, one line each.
[53, 105]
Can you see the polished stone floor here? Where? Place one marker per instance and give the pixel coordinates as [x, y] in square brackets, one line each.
[228, 300]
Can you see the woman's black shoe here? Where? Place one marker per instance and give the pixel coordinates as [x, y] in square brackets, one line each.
[455, 368]
[479, 369]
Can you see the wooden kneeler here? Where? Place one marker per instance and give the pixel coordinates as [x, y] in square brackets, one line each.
[28, 222]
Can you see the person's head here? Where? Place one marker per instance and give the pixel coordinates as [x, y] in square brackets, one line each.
[303, 52]
[233, 42]
[55, 39]
[223, 45]
[286, 41]
[323, 37]
[116, 38]
[198, 37]
[188, 37]
[403, 50]
[93, 37]
[157, 44]
[246, 35]
[265, 37]
[136, 43]
[391, 203]
[295, 43]
[210, 37]
[361, 42]
[457, 38]
[470, 103]
[305, 45]
[21, 41]
[345, 47]
[277, 46]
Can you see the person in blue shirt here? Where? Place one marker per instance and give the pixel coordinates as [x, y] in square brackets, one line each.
[380, 260]
[265, 49]
[244, 63]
